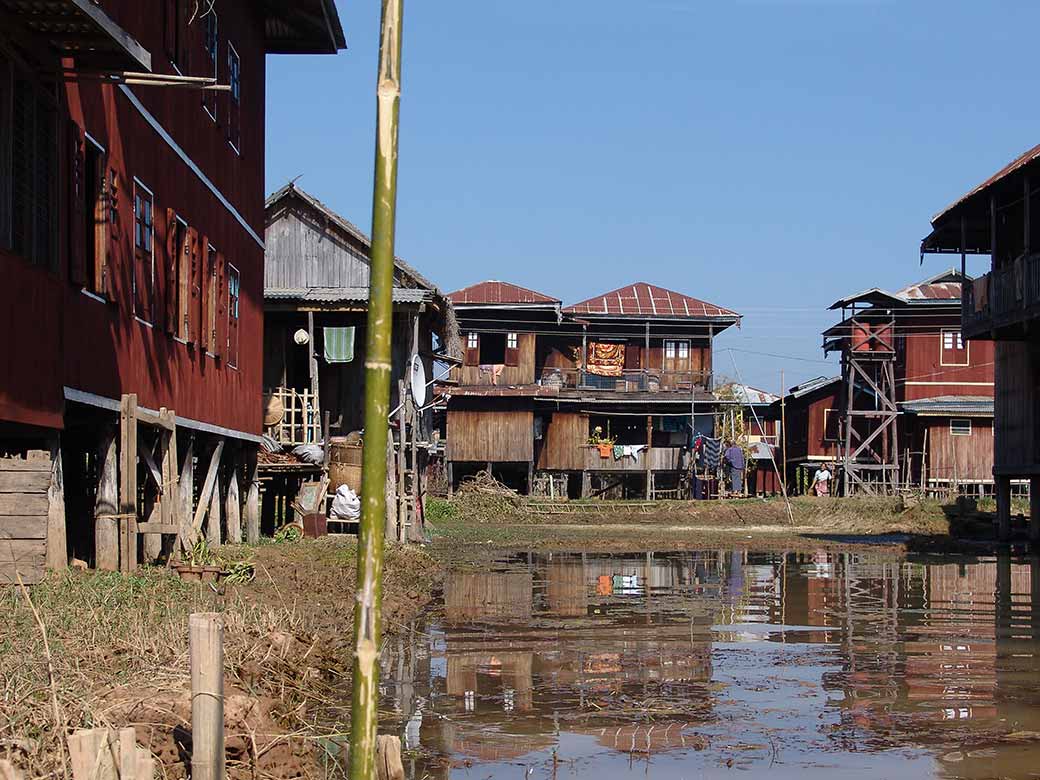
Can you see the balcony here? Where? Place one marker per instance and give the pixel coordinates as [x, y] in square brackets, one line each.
[657, 458]
[629, 381]
[1001, 302]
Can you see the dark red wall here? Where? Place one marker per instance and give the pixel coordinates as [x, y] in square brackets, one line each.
[920, 373]
[55, 335]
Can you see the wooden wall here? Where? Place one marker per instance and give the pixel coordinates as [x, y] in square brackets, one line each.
[959, 457]
[496, 436]
[805, 432]
[24, 506]
[1016, 408]
[563, 446]
[920, 371]
[521, 374]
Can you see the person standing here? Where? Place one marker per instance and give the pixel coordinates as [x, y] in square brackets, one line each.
[821, 482]
[734, 457]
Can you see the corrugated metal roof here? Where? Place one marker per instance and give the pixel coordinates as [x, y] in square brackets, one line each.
[746, 394]
[647, 300]
[302, 27]
[941, 288]
[1019, 162]
[493, 291]
[951, 404]
[346, 294]
[813, 385]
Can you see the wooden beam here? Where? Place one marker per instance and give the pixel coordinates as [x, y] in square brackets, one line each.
[233, 503]
[207, 486]
[252, 508]
[214, 526]
[186, 490]
[106, 503]
[57, 542]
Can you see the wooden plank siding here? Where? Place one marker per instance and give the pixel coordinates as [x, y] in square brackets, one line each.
[661, 459]
[1016, 407]
[806, 432]
[23, 519]
[922, 371]
[566, 436]
[959, 458]
[486, 436]
[521, 374]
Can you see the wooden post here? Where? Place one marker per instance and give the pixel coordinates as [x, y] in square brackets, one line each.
[402, 423]
[390, 491]
[57, 542]
[782, 433]
[186, 490]
[214, 528]
[450, 473]
[649, 446]
[252, 511]
[233, 504]
[206, 496]
[586, 484]
[312, 364]
[388, 758]
[1003, 496]
[106, 504]
[1034, 509]
[128, 483]
[206, 641]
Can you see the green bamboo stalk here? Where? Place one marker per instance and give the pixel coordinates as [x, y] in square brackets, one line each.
[368, 609]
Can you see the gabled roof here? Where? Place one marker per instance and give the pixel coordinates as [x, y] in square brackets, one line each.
[941, 288]
[813, 385]
[496, 292]
[647, 300]
[290, 190]
[1019, 162]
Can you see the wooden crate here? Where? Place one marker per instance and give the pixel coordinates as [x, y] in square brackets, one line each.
[301, 423]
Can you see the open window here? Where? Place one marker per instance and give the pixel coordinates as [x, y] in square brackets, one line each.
[472, 356]
[960, 427]
[512, 350]
[175, 33]
[234, 285]
[211, 48]
[492, 349]
[676, 356]
[832, 425]
[234, 127]
[954, 349]
[144, 255]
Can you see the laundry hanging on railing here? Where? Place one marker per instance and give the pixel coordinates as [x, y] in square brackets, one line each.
[606, 359]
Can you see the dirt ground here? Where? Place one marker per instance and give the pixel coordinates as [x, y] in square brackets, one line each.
[118, 650]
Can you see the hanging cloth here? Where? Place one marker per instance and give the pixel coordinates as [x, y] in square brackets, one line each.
[712, 453]
[339, 344]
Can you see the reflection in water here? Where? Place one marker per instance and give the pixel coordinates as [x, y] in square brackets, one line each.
[705, 662]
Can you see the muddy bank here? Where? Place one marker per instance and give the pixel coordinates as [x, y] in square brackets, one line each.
[501, 520]
[119, 645]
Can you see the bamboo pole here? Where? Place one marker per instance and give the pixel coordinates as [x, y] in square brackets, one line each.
[367, 611]
[206, 641]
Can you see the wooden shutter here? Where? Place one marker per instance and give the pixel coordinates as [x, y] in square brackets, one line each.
[169, 260]
[194, 274]
[632, 357]
[512, 354]
[77, 224]
[205, 327]
[472, 356]
[218, 341]
[105, 209]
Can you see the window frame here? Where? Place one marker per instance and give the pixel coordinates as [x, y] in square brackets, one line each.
[827, 426]
[512, 341]
[182, 269]
[209, 99]
[210, 295]
[965, 346]
[140, 186]
[233, 314]
[234, 128]
[964, 431]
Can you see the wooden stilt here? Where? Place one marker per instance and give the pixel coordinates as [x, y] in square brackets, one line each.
[206, 496]
[214, 526]
[451, 479]
[106, 504]
[390, 530]
[233, 504]
[586, 484]
[128, 483]
[186, 491]
[57, 541]
[252, 509]
[1003, 488]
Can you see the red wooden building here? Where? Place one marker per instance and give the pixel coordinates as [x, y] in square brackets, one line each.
[916, 403]
[808, 418]
[1000, 312]
[131, 243]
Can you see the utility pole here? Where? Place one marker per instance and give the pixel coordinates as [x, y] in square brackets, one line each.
[783, 431]
[368, 608]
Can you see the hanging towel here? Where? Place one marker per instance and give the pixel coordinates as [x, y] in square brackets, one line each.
[339, 344]
[619, 451]
[712, 453]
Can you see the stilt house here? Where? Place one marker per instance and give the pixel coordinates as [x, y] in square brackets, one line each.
[808, 420]
[597, 398]
[316, 276]
[1000, 312]
[916, 407]
[131, 247]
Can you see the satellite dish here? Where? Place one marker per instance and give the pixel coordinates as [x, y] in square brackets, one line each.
[418, 381]
[301, 337]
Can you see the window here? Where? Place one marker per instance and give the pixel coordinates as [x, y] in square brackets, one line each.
[512, 350]
[234, 99]
[472, 341]
[210, 297]
[954, 350]
[511, 341]
[28, 168]
[234, 294]
[960, 427]
[676, 356]
[472, 356]
[831, 425]
[175, 33]
[211, 46]
[176, 263]
[144, 254]
[492, 349]
[88, 216]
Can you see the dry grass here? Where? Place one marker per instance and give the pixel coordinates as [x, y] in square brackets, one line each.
[119, 656]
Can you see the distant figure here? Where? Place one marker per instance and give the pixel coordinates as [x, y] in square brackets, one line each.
[821, 481]
[734, 457]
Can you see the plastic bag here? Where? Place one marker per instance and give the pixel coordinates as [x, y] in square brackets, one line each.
[346, 505]
[310, 453]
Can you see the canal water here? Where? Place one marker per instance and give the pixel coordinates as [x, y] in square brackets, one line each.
[705, 664]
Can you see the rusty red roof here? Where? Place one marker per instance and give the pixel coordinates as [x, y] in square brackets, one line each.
[647, 300]
[1019, 162]
[493, 292]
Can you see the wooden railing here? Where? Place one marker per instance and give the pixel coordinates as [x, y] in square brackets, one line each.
[1012, 297]
[661, 459]
[630, 381]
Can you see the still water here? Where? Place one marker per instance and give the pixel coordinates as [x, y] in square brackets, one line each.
[706, 664]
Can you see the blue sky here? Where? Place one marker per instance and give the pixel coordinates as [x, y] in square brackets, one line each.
[768, 156]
